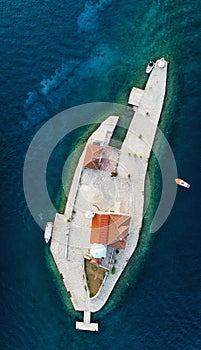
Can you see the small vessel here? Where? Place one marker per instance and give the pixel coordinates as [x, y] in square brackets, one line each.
[48, 231]
[150, 66]
[182, 183]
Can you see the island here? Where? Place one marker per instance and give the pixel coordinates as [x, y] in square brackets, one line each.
[96, 236]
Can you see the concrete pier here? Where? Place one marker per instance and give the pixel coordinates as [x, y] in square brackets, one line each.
[98, 189]
[86, 325]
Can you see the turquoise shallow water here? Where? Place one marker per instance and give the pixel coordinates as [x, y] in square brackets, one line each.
[58, 55]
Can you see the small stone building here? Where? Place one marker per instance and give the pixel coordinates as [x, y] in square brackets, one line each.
[110, 229]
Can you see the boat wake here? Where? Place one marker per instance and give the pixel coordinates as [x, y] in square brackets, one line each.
[46, 100]
[88, 19]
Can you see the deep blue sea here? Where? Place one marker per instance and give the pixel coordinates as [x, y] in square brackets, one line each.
[59, 54]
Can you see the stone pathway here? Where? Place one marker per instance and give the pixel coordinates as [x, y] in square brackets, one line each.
[71, 233]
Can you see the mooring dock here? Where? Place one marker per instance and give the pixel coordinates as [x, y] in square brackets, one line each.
[86, 325]
[94, 190]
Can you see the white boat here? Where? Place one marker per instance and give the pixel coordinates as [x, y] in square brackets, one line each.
[150, 66]
[48, 231]
[182, 183]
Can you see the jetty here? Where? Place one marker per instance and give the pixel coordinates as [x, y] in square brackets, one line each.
[96, 236]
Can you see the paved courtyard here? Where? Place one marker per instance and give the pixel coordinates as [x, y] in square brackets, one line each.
[98, 190]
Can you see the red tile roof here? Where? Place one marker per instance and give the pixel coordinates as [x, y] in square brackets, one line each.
[99, 233]
[118, 230]
[92, 156]
[110, 229]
